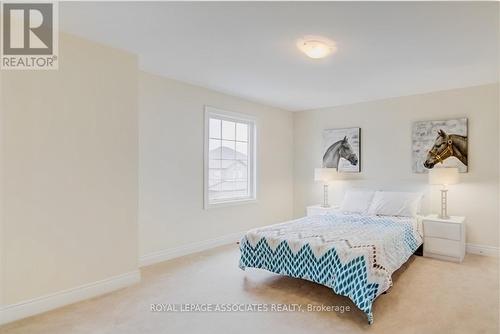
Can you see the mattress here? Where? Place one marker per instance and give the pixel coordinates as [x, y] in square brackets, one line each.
[353, 254]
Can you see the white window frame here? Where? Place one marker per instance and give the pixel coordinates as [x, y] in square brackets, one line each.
[252, 155]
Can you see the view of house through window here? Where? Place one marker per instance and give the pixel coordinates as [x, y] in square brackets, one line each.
[230, 158]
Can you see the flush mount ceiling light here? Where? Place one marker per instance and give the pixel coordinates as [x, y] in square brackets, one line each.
[316, 47]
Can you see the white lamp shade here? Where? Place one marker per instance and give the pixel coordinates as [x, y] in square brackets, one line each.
[443, 176]
[325, 174]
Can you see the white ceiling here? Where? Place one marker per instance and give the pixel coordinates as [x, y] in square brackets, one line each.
[248, 49]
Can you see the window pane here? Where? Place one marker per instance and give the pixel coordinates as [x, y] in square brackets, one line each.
[242, 173]
[214, 189]
[241, 132]
[215, 128]
[226, 165]
[240, 188]
[214, 164]
[213, 184]
[228, 130]
[228, 149]
[214, 149]
[233, 189]
[241, 151]
[214, 175]
[230, 164]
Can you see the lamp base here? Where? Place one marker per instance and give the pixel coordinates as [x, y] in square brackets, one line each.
[444, 204]
[325, 197]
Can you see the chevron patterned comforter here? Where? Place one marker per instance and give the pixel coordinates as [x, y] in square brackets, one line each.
[355, 255]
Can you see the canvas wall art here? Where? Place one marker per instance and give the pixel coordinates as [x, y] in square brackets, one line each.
[341, 149]
[439, 143]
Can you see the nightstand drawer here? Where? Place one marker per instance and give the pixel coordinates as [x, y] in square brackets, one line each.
[442, 230]
[442, 247]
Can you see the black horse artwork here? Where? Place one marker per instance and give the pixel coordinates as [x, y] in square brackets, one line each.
[446, 146]
[339, 149]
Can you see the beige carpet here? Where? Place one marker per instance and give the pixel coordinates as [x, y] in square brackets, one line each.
[428, 296]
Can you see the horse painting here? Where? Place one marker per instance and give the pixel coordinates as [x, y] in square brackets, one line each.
[339, 149]
[439, 142]
[446, 146]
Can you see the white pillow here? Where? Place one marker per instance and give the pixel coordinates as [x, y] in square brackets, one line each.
[389, 203]
[357, 200]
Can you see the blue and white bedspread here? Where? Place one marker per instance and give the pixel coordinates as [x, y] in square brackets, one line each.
[355, 255]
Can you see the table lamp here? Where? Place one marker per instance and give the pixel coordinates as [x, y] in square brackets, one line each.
[444, 176]
[325, 175]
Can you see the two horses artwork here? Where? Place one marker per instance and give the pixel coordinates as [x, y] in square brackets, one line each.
[448, 148]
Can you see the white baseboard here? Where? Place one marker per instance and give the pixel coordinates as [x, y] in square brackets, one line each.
[46, 303]
[171, 253]
[482, 250]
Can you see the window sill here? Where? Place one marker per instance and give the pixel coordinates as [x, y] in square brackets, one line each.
[223, 204]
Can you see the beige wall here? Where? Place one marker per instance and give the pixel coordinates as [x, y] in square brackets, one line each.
[70, 171]
[171, 127]
[386, 152]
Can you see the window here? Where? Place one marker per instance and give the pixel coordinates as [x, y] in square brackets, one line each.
[229, 157]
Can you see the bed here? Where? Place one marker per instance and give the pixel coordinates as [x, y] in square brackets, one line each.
[353, 254]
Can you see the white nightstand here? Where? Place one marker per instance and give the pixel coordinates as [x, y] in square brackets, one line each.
[444, 238]
[314, 210]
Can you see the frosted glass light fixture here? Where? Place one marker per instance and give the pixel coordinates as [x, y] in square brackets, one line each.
[316, 47]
